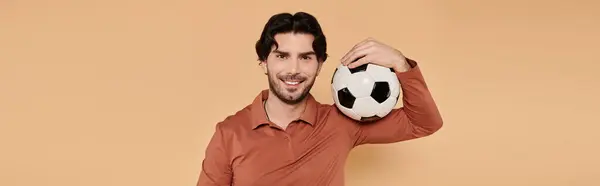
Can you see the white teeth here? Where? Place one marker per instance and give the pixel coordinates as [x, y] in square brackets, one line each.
[291, 82]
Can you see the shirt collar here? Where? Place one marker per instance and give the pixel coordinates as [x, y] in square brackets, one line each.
[259, 116]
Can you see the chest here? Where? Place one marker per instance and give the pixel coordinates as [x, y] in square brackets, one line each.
[270, 155]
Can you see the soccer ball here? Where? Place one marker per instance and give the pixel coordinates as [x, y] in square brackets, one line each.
[365, 93]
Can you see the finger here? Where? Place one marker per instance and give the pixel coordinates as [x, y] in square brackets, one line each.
[358, 53]
[357, 45]
[362, 43]
[360, 61]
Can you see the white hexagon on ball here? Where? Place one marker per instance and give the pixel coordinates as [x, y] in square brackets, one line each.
[365, 93]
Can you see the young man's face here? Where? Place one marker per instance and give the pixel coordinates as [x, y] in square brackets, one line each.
[293, 67]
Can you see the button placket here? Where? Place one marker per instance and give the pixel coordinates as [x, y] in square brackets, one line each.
[290, 147]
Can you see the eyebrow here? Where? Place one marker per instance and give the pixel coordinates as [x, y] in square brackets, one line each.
[301, 54]
[307, 53]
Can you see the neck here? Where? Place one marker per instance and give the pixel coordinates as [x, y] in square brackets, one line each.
[279, 111]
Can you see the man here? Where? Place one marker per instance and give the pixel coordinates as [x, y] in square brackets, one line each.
[287, 138]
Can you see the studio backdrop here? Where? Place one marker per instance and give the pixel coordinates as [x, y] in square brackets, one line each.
[127, 92]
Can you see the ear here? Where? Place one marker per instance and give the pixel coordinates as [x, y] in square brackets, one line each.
[263, 65]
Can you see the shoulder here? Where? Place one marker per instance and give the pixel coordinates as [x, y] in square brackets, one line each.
[325, 109]
[336, 121]
[331, 113]
[236, 122]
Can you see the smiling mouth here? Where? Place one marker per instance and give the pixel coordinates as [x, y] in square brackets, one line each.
[292, 82]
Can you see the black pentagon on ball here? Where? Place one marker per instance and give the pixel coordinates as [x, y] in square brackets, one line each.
[369, 119]
[346, 98]
[360, 68]
[381, 91]
[363, 67]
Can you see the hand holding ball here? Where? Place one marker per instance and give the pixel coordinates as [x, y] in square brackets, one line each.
[365, 86]
[365, 93]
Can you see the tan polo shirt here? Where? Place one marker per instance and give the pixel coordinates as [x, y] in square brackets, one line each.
[248, 150]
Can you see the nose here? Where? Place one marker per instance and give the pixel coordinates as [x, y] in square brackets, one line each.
[294, 66]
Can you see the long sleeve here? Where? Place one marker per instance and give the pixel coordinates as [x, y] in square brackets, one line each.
[216, 167]
[418, 117]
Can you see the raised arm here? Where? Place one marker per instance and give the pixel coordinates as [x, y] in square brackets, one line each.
[418, 118]
[216, 167]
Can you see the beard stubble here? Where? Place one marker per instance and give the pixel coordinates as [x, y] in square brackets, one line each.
[280, 92]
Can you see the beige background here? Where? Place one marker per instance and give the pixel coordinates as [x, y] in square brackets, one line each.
[120, 92]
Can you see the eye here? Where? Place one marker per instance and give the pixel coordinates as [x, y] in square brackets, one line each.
[306, 57]
[280, 56]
